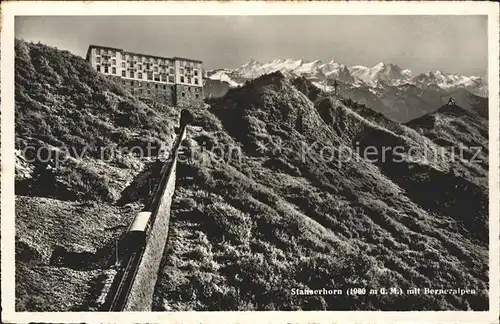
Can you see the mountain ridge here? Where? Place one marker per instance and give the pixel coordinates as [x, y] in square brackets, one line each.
[383, 86]
[277, 193]
[382, 69]
[401, 223]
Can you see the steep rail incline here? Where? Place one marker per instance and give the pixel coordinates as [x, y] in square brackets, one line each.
[135, 288]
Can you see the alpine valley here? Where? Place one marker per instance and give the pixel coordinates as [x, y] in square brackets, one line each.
[385, 87]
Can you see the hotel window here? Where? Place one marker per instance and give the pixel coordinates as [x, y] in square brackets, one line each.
[114, 61]
[197, 96]
[181, 71]
[182, 79]
[157, 77]
[195, 81]
[98, 68]
[164, 87]
[98, 59]
[171, 71]
[150, 76]
[106, 69]
[139, 75]
[139, 66]
[189, 81]
[114, 70]
[148, 85]
[123, 74]
[132, 74]
[131, 83]
[155, 69]
[149, 91]
[171, 79]
[183, 94]
[123, 64]
[156, 86]
[196, 72]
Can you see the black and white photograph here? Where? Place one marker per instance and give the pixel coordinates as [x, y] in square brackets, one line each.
[169, 163]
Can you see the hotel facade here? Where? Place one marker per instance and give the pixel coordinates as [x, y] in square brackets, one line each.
[173, 81]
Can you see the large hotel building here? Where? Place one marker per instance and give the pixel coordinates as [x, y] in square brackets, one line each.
[173, 81]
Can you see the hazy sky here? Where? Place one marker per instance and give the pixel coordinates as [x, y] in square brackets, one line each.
[456, 44]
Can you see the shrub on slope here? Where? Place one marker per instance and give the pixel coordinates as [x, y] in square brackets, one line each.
[61, 102]
[311, 222]
[67, 221]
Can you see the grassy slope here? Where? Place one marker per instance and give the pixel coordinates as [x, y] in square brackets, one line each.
[244, 233]
[63, 242]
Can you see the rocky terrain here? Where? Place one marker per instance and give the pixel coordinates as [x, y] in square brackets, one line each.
[277, 194]
[74, 200]
[385, 87]
[247, 228]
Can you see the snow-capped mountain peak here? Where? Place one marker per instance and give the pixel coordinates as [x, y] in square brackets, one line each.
[314, 69]
[451, 81]
[379, 75]
[251, 63]
[407, 73]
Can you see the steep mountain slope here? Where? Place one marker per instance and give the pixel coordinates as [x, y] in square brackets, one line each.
[469, 100]
[448, 81]
[315, 70]
[389, 73]
[74, 171]
[277, 197]
[215, 88]
[385, 87]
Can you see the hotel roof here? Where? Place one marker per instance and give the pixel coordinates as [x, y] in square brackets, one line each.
[139, 54]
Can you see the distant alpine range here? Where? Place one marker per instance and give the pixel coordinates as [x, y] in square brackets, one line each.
[385, 87]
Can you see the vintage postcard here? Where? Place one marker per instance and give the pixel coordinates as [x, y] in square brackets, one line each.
[301, 162]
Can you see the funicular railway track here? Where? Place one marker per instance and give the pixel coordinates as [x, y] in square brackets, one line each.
[121, 288]
[125, 283]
